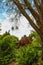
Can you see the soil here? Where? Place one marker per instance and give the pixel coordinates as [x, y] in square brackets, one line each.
[12, 63]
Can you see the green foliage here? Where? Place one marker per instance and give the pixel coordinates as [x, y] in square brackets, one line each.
[27, 55]
[41, 63]
[8, 46]
[0, 36]
[34, 36]
[5, 34]
[12, 40]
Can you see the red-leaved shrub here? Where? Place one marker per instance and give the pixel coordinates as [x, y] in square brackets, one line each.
[25, 40]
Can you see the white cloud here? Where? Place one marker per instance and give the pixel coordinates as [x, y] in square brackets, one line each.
[23, 25]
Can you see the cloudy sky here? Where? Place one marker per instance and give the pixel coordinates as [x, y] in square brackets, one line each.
[23, 26]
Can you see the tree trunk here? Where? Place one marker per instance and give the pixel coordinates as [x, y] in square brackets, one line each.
[42, 46]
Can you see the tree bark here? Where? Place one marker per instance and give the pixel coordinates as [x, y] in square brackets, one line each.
[42, 46]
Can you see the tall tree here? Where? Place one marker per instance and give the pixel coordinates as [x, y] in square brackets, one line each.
[36, 12]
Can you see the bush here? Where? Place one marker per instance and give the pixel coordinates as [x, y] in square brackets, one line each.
[8, 46]
[27, 55]
[12, 40]
[0, 36]
[41, 63]
[34, 36]
[5, 34]
[24, 41]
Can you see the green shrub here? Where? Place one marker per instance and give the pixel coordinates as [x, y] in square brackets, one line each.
[5, 34]
[34, 36]
[8, 46]
[41, 63]
[0, 36]
[12, 40]
[27, 55]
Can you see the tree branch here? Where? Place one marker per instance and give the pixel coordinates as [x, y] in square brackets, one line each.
[34, 13]
[42, 1]
[39, 8]
[27, 16]
[37, 3]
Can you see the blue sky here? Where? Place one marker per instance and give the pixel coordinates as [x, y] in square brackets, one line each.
[3, 10]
